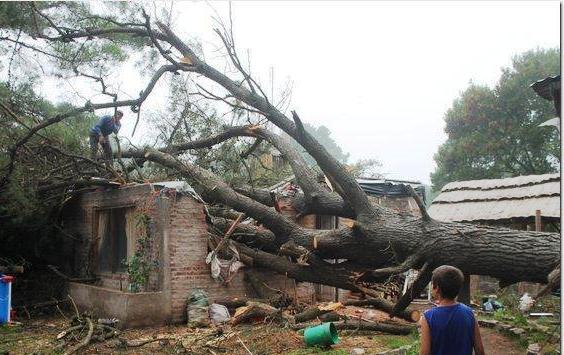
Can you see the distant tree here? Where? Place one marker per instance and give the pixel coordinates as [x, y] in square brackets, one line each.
[366, 168]
[323, 136]
[494, 133]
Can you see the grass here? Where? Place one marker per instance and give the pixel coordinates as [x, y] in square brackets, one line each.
[10, 329]
[395, 342]
[318, 350]
[8, 335]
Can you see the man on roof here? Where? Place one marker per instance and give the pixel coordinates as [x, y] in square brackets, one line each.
[99, 133]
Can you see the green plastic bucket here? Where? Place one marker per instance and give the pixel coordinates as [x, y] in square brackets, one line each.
[323, 334]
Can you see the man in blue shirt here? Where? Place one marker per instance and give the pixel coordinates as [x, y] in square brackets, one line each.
[105, 126]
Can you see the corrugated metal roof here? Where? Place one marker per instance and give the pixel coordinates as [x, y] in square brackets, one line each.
[495, 199]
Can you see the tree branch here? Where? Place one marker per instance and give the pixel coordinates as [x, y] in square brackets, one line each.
[352, 192]
[12, 151]
[415, 289]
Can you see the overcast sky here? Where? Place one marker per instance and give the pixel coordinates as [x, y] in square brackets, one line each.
[379, 75]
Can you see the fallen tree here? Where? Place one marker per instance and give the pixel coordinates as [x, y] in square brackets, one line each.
[381, 243]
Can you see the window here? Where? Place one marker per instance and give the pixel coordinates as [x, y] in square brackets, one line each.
[112, 234]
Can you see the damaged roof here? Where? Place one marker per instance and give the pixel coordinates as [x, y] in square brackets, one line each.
[498, 199]
[392, 188]
[372, 187]
[178, 185]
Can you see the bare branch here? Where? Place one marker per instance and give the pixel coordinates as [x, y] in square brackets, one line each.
[350, 189]
[419, 202]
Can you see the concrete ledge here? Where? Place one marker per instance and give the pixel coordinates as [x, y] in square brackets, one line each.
[132, 309]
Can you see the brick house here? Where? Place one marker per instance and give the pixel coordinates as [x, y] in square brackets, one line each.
[104, 226]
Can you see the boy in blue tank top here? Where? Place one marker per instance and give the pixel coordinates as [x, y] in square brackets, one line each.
[450, 328]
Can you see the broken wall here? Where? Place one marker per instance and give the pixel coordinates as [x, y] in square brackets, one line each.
[179, 246]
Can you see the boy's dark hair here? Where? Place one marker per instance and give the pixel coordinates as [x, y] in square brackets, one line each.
[449, 280]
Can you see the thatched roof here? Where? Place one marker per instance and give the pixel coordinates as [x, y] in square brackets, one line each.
[498, 199]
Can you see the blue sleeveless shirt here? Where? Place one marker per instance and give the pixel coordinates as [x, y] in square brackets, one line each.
[452, 329]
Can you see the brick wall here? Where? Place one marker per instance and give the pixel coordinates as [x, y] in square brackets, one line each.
[188, 248]
[80, 220]
[179, 245]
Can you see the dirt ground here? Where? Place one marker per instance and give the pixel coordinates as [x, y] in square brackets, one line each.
[38, 337]
[495, 343]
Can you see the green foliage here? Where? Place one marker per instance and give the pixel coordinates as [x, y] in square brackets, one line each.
[185, 120]
[27, 220]
[20, 199]
[137, 272]
[140, 265]
[494, 133]
[415, 349]
[16, 15]
[397, 342]
[501, 315]
[67, 58]
[520, 320]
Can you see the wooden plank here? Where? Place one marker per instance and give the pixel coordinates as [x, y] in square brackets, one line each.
[464, 294]
[538, 221]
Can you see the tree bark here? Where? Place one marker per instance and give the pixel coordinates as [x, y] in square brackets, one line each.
[378, 327]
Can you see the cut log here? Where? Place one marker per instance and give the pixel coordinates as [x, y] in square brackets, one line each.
[386, 306]
[390, 328]
[316, 311]
[331, 317]
[255, 311]
[397, 329]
